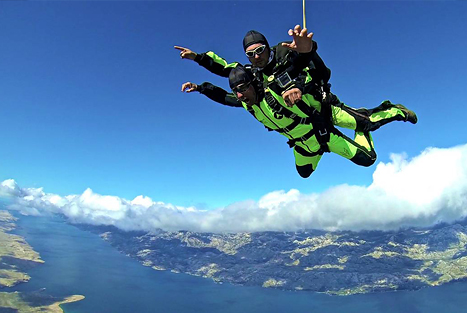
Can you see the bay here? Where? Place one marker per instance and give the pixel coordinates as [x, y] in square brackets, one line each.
[80, 262]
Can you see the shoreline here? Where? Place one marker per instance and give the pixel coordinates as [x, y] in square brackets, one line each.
[18, 256]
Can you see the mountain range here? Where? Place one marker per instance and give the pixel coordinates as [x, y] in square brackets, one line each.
[340, 263]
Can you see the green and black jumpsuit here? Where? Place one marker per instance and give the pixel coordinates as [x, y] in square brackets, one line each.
[310, 81]
[310, 136]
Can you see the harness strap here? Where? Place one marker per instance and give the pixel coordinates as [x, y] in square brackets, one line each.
[288, 128]
[303, 152]
[280, 109]
[319, 93]
[277, 107]
[321, 136]
[321, 130]
[320, 124]
[305, 137]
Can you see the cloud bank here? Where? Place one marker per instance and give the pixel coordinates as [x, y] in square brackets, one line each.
[421, 191]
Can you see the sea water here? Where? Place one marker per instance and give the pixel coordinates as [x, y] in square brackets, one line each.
[80, 262]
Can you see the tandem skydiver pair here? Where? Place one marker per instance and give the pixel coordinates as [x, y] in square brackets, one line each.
[287, 89]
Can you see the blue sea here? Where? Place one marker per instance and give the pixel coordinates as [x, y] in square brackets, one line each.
[80, 262]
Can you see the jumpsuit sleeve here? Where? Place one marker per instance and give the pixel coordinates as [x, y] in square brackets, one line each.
[219, 95]
[318, 71]
[215, 64]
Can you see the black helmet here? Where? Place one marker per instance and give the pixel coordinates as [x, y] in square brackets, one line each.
[253, 37]
[239, 75]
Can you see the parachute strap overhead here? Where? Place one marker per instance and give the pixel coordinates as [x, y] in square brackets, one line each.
[304, 15]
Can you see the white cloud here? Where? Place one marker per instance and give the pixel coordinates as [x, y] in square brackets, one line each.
[421, 191]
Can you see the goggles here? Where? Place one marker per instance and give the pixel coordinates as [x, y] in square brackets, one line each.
[241, 88]
[258, 50]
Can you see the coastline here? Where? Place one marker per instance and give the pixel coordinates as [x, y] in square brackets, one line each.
[16, 257]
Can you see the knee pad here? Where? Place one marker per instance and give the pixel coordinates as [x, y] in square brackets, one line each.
[364, 159]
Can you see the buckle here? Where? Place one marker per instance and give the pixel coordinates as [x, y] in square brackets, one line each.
[283, 80]
[324, 133]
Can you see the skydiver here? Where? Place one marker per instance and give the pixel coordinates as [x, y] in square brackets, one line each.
[310, 134]
[288, 79]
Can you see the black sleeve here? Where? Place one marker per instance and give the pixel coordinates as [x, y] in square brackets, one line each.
[219, 95]
[322, 71]
[215, 64]
[313, 61]
[302, 60]
[319, 72]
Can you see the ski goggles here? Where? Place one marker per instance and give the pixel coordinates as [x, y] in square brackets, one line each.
[241, 88]
[258, 50]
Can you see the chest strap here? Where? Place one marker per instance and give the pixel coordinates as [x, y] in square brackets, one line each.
[280, 109]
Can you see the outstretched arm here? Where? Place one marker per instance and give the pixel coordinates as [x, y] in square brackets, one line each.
[209, 60]
[308, 59]
[214, 93]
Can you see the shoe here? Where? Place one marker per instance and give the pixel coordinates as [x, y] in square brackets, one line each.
[386, 104]
[409, 115]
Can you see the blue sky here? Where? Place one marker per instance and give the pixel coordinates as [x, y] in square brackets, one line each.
[90, 93]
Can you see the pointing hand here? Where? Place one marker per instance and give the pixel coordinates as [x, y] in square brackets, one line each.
[186, 53]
